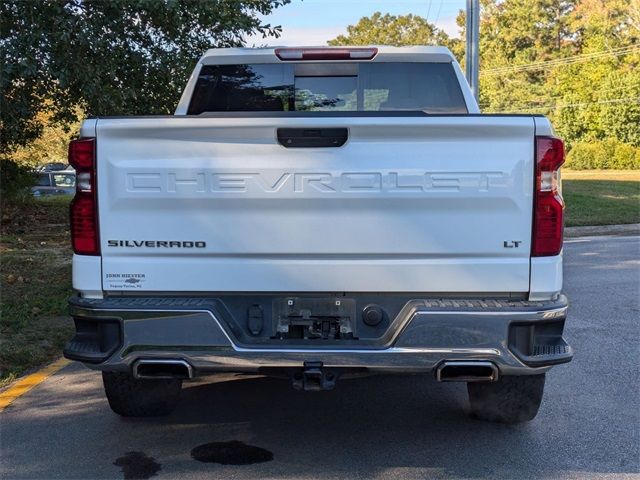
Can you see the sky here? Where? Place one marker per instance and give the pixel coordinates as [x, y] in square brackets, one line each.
[313, 22]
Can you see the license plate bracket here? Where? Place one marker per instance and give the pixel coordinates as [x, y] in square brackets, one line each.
[314, 318]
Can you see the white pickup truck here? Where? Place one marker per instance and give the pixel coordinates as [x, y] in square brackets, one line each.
[320, 213]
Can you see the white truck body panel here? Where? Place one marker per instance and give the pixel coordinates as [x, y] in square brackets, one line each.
[407, 204]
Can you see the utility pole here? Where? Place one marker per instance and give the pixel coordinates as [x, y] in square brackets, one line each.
[472, 53]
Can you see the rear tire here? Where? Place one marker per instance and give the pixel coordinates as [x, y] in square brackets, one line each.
[509, 400]
[130, 397]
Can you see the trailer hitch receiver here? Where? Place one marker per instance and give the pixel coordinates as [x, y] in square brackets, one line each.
[314, 377]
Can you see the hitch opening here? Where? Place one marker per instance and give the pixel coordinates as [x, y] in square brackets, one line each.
[314, 377]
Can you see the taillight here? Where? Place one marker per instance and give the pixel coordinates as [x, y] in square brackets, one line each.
[548, 207]
[84, 207]
[288, 54]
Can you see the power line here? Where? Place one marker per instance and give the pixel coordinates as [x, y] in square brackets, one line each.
[620, 88]
[576, 105]
[566, 59]
[562, 61]
[531, 106]
[438, 14]
[559, 62]
[553, 64]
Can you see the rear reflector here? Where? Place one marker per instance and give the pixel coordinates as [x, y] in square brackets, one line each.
[289, 54]
[84, 208]
[548, 208]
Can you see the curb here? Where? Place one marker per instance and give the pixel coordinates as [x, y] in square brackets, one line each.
[23, 385]
[628, 229]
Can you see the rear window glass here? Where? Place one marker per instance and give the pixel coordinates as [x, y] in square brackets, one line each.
[326, 93]
[64, 180]
[44, 180]
[369, 87]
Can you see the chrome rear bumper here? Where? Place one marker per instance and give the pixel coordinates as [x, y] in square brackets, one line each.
[518, 337]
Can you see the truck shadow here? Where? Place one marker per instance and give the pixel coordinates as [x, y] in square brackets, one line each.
[255, 428]
[376, 426]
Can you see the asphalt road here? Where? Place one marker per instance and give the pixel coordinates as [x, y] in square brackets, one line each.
[377, 427]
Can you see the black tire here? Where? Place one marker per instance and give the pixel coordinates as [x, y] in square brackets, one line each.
[509, 400]
[130, 397]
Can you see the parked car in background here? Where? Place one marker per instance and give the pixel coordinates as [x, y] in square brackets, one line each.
[53, 180]
[55, 167]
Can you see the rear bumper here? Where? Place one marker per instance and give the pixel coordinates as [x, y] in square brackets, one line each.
[518, 337]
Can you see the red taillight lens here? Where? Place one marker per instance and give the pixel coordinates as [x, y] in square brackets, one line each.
[289, 54]
[548, 208]
[82, 153]
[84, 233]
[84, 208]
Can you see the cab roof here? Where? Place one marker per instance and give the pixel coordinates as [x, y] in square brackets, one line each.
[385, 53]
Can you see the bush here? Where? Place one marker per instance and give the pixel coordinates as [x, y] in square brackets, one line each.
[608, 154]
[15, 181]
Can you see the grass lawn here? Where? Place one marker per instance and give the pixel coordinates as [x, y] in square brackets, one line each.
[601, 197]
[35, 274]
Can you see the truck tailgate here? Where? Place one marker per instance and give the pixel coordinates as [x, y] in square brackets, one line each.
[407, 204]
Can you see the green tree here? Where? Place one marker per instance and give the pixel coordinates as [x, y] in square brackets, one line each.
[50, 146]
[599, 97]
[514, 35]
[576, 61]
[113, 57]
[379, 29]
[621, 116]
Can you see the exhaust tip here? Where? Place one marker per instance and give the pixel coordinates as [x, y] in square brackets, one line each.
[467, 372]
[162, 369]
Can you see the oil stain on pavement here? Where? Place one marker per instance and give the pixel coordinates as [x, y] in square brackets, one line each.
[230, 453]
[137, 465]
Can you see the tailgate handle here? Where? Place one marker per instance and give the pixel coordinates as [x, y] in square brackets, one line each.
[312, 137]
